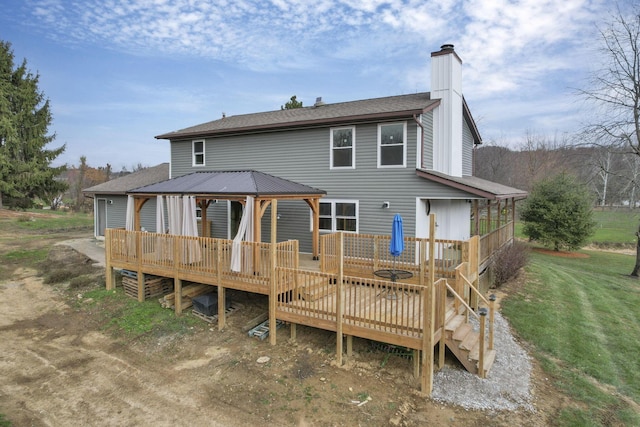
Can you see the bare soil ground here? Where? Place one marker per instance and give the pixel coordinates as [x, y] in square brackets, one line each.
[59, 367]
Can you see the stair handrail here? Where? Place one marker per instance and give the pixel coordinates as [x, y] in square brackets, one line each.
[489, 303]
[481, 316]
[461, 300]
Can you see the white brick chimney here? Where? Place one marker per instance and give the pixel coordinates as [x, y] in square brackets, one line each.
[446, 85]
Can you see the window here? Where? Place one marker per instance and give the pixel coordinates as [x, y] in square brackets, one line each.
[343, 148]
[338, 215]
[198, 153]
[392, 145]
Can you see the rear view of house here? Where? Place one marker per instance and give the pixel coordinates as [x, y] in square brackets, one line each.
[329, 180]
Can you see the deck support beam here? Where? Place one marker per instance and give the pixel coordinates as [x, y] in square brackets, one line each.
[429, 316]
[110, 278]
[177, 283]
[273, 292]
[222, 315]
[339, 308]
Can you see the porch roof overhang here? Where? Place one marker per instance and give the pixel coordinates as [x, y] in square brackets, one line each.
[474, 185]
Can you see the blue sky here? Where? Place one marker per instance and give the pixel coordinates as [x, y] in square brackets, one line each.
[119, 72]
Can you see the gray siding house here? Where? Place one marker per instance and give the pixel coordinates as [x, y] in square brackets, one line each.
[110, 199]
[407, 154]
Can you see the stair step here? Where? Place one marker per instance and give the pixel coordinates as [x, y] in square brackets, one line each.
[475, 351]
[489, 358]
[454, 323]
[315, 290]
[470, 341]
[462, 331]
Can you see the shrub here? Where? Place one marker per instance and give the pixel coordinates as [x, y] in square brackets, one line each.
[508, 261]
[558, 213]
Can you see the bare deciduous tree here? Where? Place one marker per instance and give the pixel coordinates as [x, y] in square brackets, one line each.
[615, 88]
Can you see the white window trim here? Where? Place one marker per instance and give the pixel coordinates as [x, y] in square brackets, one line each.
[333, 215]
[353, 148]
[404, 145]
[193, 153]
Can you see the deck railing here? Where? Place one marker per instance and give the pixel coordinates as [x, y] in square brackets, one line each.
[492, 242]
[365, 253]
[199, 256]
[372, 305]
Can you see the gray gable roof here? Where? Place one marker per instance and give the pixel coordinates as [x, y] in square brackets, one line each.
[133, 180]
[342, 112]
[229, 183]
[474, 185]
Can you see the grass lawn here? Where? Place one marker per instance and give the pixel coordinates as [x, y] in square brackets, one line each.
[612, 228]
[581, 316]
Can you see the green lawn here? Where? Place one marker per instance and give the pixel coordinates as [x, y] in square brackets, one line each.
[581, 316]
[612, 228]
[616, 227]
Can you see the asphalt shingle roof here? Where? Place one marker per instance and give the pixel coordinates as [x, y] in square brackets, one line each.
[474, 185]
[229, 183]
[376, 108]
[133, 180]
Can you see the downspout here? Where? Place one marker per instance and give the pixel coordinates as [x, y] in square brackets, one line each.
[419, 123]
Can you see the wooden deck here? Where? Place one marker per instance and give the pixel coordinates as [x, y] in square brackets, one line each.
[338, 293]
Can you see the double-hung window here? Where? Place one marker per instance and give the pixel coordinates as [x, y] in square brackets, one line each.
[198, 152]
[343, 148]
[392, 145]
[339, 215]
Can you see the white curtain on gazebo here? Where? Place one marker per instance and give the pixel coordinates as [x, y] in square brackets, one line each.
[174, 214]
[160, 224]
[245, 232]
[129, 225]
[130, 218]
[163, 245]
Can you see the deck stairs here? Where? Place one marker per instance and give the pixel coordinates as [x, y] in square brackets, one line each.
[463, 340]
[314, 290]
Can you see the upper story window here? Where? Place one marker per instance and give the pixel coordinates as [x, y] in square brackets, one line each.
[343, 148]
[392, 145]
[198, 153]
[339, 215]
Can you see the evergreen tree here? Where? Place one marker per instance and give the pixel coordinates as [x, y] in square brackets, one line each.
[25, 171]
[558, 213]
[291, 104]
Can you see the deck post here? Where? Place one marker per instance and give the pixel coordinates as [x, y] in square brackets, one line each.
[273, 293]
[349, 345]
[339, 308]
[294, 329]
[177, 282]
[441, 345]
[139, 262]
[222, 315]
[109, 276]
[221, 290]
[428, 315]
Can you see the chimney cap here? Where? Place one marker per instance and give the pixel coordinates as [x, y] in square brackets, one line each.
[319, 102]
[447, 46]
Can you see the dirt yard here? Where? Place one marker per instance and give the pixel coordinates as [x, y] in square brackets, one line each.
[59, 368]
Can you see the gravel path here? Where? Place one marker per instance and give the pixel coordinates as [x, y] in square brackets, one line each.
[507, 387]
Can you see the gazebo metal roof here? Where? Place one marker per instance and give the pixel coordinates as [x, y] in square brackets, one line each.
[229, 184]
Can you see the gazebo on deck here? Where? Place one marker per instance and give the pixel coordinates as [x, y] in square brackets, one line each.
[235, 186]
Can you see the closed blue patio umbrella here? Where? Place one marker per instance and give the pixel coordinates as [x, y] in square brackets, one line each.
[397, 237]
[396, 246]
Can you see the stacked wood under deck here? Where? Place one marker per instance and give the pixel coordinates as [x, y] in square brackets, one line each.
[344, 297]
